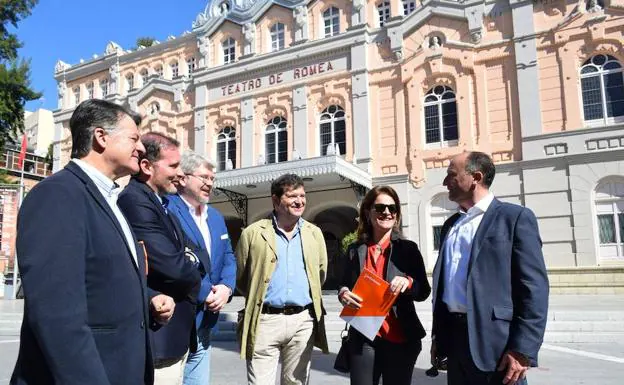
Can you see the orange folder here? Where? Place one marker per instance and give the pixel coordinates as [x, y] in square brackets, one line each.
[377, 302]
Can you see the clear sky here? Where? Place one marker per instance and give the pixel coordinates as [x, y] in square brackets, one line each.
[73, 29]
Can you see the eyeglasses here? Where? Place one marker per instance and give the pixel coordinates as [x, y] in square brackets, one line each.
[202, 179]
[381, 208]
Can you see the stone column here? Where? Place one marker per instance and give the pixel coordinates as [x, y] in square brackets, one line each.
[56, 147]
[300, 121]
[247, 132]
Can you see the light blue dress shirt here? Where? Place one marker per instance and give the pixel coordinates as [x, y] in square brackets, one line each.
[457, 248]
[289, 283]
[110, 191]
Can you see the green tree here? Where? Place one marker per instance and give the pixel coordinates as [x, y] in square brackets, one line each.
[15, 88]
[347, 240]
[4, 176]
[144, 41]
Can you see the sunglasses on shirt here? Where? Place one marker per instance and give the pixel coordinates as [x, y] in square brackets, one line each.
[381, 208]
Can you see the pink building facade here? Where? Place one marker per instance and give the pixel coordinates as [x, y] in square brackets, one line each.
[351, 94]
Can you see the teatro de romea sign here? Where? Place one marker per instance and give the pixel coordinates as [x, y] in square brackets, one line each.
[278, 78]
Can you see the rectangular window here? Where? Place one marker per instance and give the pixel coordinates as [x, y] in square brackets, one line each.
[282, 146]
[449, 121]
[174, 70]
[221, 156]
[606, 228]
[614, 93]
[326, 137]
[621, 220]
[432, 124]
[437, 233]
[104, 87]
[592, 98]
[270, 148]
[190, 62]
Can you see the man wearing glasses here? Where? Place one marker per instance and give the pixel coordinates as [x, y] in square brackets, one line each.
[207, 236]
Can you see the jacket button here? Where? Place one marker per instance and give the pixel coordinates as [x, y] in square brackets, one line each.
[273, 260]
[142, 324]
[267, 280]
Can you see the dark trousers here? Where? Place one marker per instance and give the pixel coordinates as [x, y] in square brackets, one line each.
[383, 359]
[461, 368]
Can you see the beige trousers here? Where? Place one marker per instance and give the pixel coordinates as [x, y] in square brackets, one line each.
[285, 338]
[170, 372]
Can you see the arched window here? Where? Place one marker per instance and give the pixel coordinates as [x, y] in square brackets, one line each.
[129, 82]
[226, 148]
[277, 37]
[609, 203]
[440, 116]
[159, 71]
[175, 69]
[104, 87]
[229, 50]
[332, 129]
[409, 6]
[331, 21]
[191, 64]
[144, 77]
[602, 85]
[276, 140]
[383, 11]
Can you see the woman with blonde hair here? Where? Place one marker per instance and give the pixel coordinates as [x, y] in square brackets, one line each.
[381, 249]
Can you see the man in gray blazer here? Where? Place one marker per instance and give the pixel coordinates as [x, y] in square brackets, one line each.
[490, 288]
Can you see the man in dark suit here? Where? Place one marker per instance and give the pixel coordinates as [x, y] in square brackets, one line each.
[490, 297]
[207, 232]
[83, 273]
[170, 270]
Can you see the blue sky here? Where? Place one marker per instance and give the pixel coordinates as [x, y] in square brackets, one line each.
[73, 29]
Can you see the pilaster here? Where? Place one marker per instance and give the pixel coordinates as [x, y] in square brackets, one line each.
[300, 111]
[247, 134]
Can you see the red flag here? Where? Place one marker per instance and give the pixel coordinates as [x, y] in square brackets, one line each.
[22, 154]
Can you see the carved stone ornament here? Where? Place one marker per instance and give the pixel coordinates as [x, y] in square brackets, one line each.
[200, 20]
[593, 6]
[202, 45]
[61, 88]
[60, 66]
[112, 48]
[301, 14]
[114, 72]
[435, 43]
[475, 36]
[249, 31]
[358, 4]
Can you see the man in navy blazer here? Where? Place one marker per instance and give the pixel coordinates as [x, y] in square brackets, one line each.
[83, 273]
[170, 270]
[490, 296]
[207, 232]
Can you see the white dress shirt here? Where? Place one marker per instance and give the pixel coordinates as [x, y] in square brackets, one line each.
[201, 221]
[110, 191]
[457, 248]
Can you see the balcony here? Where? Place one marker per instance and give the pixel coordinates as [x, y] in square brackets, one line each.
[35, 167]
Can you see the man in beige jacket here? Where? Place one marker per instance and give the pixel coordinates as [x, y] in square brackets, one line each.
[281, 266]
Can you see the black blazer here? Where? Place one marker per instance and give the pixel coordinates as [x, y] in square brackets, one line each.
[85, 308]
[507, 287]
[169, 270]
[405, 259]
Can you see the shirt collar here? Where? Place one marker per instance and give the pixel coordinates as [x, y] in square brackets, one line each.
[102, 182]
[481, 206]
[297, 227]
[191, 208]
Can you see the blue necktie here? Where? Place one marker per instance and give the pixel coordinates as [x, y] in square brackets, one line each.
[165, 203]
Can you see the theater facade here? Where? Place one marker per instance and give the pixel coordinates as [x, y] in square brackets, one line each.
[352, 94]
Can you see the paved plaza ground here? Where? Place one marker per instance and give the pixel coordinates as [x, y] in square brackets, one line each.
[577, 351]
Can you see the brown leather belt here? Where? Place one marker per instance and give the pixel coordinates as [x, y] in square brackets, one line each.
[286, 310]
